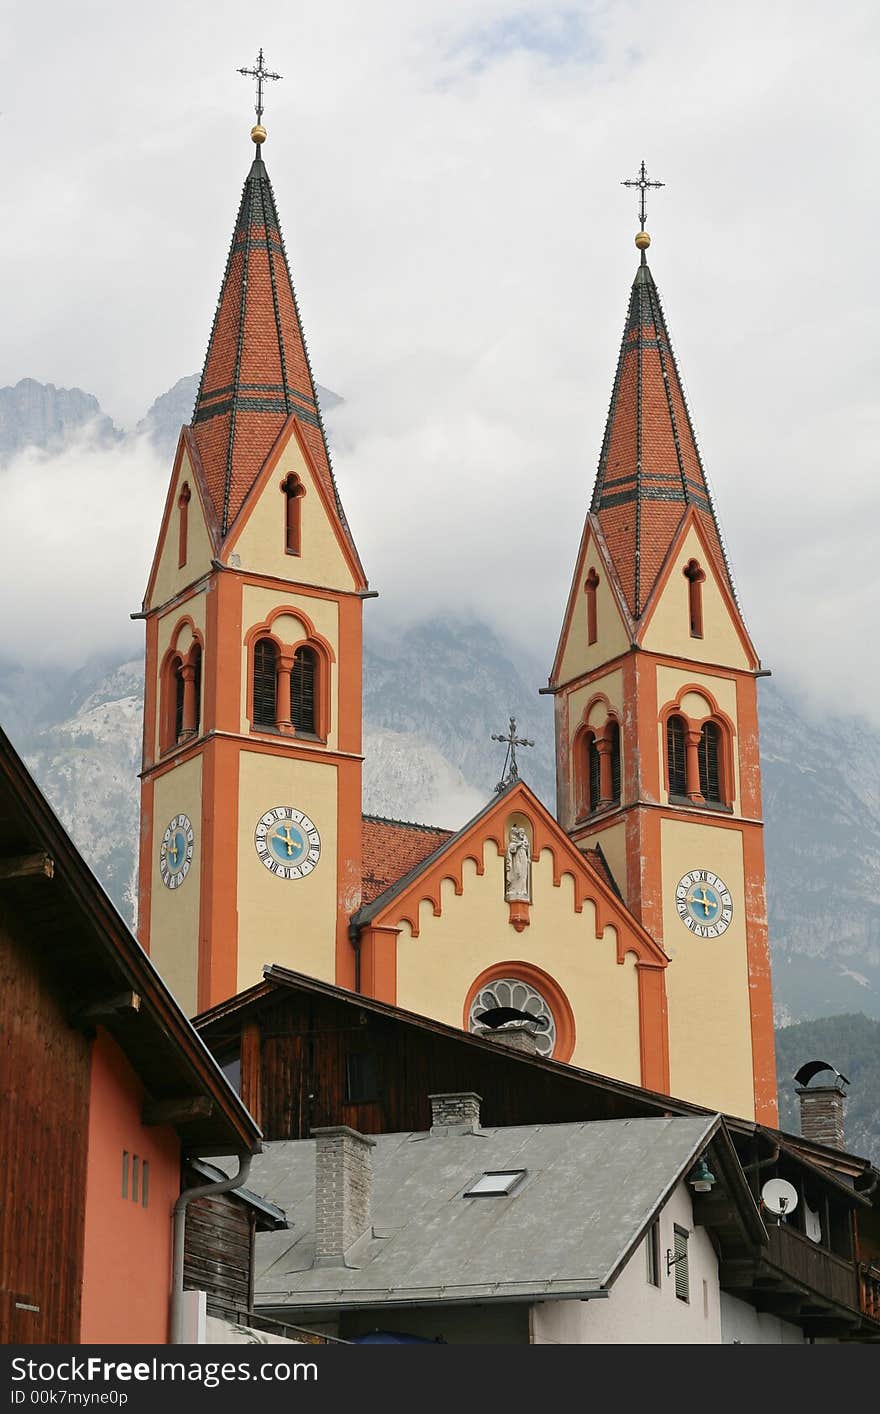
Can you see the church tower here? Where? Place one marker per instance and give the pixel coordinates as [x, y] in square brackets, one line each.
[656, 724]
[250, 846]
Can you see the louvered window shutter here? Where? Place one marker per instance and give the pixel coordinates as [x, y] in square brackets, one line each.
[710, 782]
[682, 1275]
[265, 674]
[178, 700]
[595, 777]
[615, 761]
[675, 753]
[303, 684]
[197, 687]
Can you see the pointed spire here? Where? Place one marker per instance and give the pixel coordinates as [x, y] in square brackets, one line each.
[650, 469]
[257, 370]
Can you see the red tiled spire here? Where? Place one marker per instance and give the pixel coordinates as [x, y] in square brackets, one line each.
[650, 470]
[257, 368]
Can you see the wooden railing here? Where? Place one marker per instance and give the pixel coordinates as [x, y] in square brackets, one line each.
[869, 1281]
[830, 1276]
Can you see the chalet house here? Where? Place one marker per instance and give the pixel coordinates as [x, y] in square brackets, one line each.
[312, 1060]
[105, 1090]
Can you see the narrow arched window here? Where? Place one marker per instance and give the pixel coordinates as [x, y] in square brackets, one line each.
[614, 737]
[293, 493]
[265, 682]
[179, 690]
[183, 501]
[594, 772]
[303, 689]
[710, 753]
[590, 587]
[676, 759]
[196, 658]
[695, 577]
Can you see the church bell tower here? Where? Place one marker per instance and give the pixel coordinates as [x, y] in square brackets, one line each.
[656, 722]
[250, 844]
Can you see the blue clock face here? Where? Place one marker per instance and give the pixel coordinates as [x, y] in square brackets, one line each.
[287, 842]
[176, 851]
[704, 903]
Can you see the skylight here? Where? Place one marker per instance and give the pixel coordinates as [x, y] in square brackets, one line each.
[497, 1183]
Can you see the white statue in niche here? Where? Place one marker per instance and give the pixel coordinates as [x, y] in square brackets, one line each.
[517, 866]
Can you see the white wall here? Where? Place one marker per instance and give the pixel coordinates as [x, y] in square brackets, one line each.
[637, 1313]
[741, 1324]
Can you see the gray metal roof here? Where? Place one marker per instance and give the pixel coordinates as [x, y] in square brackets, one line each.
[590, 1191]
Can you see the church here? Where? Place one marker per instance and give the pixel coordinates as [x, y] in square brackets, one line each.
[632, 922]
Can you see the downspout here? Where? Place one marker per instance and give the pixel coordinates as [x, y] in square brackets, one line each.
[178, 1228]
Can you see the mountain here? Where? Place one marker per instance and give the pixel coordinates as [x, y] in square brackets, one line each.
[36, 414]
[163, 421]
[852, 1045]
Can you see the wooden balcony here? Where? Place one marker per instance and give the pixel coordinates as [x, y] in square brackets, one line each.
[813, 1267]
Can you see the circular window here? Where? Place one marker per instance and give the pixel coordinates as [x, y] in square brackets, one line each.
[510, 991]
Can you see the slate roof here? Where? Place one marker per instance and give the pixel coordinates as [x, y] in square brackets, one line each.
[590, 1191]
[391, 848]
[650, 469]
[257, 370]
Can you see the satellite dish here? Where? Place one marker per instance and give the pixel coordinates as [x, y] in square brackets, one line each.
[779, 1197]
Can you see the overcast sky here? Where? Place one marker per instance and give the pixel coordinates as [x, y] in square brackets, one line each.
[448, 178]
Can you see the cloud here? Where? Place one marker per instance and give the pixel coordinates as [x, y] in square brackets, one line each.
[448, 178]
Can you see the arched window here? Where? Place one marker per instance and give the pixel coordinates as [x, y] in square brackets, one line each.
[303, 688]
[592, 772]
[613, 731]
[183, 501]
[265, 682]
[293, 493]
[676, 757]
[709, 756]
[695, 577]
[196, 660]
[590, 587]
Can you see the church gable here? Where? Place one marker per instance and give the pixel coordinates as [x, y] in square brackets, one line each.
[692, 613]
[288, 527]
[509, 907]
[187, 536]
[595, 628]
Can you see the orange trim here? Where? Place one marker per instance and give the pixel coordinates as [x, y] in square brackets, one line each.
[760, 985]
[518, 914]
[749, 747]
[550, 990]
[320, 645]
[151, 653]
[378, 963]
[591, 584]
[183, 501]
[167, 684]
[145, 866]
[218, 914]
[653, 1028]
[695, 724]
[269, 469]
[591, 534]
[293, 491]
[689, 520]
[184, 443]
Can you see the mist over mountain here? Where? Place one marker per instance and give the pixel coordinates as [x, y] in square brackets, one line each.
[36, 414]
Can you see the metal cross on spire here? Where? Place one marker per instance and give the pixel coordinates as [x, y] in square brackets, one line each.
[261, 74]
[642, 182]
[510, 773]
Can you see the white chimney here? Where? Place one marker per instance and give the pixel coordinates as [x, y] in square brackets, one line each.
[343, 1191]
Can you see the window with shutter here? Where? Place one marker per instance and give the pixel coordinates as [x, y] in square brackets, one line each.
[197, 686]
[614, 733]
[303, 684]
[682, 1275]
[675, 756]
[593, 772]
[265, 677]
[710, 780]
[178, 700]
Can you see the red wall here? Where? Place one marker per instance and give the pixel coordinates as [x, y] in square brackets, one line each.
[127, 1260]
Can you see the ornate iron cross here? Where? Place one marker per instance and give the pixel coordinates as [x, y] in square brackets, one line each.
[642, 182]
[510, 773]
[261, 74]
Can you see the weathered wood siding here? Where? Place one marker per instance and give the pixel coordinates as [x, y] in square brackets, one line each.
[44, 1105]
[218, 1252]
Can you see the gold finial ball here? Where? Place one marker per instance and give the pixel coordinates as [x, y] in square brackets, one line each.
[258, 133]
[643, 240]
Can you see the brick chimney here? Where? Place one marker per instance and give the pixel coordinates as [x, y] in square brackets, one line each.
[343, 1191]
[516, 1037]
[457, 1113]
[823, 1107]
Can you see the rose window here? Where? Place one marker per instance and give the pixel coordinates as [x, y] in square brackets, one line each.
[511, 992]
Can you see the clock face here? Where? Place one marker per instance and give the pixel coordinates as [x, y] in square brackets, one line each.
[287, 842]
[176, 851]
[704, 903]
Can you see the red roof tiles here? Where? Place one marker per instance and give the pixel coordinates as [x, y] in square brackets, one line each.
[391, 848]
[650, 470]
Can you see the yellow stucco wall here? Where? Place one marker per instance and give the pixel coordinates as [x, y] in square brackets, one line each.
[174, 913]
[723, 690]
[195, 609]
[289, 921]
[579, 656]
[435, 970]
[668, 629]
[169, 578]
[258, 603]
[710, 1046]
[260, 543]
